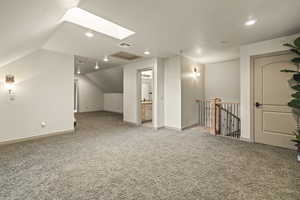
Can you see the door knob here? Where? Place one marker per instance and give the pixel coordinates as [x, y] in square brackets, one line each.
[257, 104]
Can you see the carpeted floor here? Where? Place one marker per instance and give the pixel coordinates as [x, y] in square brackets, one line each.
[106, 159]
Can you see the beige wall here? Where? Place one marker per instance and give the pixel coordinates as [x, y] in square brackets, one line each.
[44, 93]
[222, 80]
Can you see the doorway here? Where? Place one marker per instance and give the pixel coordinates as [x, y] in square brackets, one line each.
[145, 97]
[273, 120]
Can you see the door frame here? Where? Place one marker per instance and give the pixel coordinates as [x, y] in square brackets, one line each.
[252, 100]
[139, 93]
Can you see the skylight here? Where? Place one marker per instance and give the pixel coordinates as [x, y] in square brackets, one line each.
[92, 22]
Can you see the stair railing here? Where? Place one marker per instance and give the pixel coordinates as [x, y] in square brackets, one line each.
[229, 119]
[220, 118]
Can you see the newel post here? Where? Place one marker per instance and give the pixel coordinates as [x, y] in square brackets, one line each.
[215, 119]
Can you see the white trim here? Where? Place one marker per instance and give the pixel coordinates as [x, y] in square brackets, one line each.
[139, 93]
[246, 52]
[246, 140]
[115, 112]
[131, 123]
[92, 111]
[190, 126]
[36, 137]
[172, 128]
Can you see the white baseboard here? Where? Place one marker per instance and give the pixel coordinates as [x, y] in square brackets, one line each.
[158, 128]
[36, 137]
[130, 123]
[116, 112]
[190, 126]
[92, 111]
[245, 139]
[173, 128]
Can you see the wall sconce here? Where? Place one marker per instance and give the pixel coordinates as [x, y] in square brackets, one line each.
[10, 84]
[196, 72]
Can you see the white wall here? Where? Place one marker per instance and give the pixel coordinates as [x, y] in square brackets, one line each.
[130, 98]
[109, 80]
[172, 92]
[113, 102]
[90, 96]
[222, 80]
[158, 93]
[192, 88]
[246, 52]
[44, 93]
[130, 88]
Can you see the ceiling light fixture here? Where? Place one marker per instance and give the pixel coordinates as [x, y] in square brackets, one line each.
[147, 52]
[89, 34]
[97, 66]
[105, 59]
[93, 22]
[78, 71]
[250, 22]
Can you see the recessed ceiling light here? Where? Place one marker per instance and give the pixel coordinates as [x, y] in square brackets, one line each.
[78, 71]
[89, 34]
[105, 59]
[250, 22]
[93, 22]
[147, 52]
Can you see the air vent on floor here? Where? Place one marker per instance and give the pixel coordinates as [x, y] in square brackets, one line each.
[125, 56]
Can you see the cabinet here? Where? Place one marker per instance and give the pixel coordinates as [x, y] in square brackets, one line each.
[146, 111]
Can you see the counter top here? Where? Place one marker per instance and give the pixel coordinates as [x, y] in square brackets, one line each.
[146, 102]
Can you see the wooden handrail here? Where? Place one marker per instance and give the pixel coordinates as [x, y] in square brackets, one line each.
[204, 100]
[230, 113]
[222, 102]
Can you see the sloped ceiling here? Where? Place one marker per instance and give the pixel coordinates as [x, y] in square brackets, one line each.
[87, 65]
[109, 80]
[205, 30]
[27, 24]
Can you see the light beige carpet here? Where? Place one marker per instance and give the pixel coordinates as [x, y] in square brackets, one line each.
[106, 159]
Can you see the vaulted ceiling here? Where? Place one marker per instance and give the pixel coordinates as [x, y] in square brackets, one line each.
[109, 80]
[205, 30]
[27, 25]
